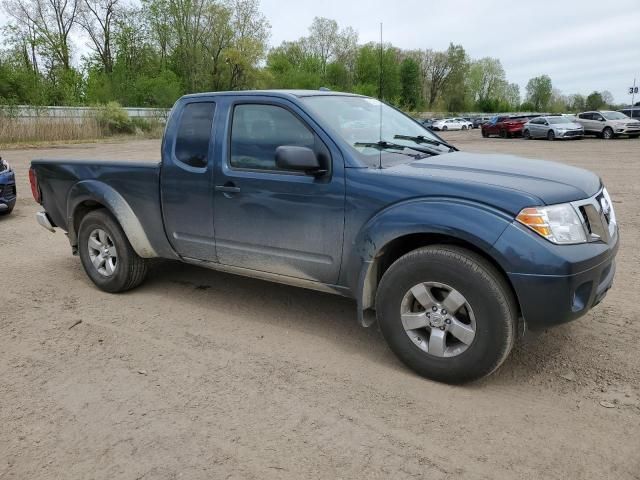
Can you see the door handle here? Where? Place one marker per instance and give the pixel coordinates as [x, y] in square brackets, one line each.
[228, 188]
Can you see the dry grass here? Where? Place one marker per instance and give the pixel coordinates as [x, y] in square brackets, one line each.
[48, 129]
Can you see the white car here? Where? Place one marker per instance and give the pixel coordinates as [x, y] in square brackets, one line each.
[452, 124]
[607, 124]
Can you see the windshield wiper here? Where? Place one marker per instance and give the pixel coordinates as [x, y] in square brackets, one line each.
[384, 145]
[423, 139]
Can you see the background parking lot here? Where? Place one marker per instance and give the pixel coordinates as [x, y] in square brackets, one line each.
[200, 374]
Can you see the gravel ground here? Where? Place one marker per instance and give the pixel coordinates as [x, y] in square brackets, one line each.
[199, 374]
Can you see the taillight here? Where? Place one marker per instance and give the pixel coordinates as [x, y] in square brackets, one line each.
[35, 189]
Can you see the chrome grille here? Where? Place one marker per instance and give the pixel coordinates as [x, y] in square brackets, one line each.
[598, 216]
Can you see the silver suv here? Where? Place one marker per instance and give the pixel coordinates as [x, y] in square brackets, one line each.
[552, 127]
[607, 124]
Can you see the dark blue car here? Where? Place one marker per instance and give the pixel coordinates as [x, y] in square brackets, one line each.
[452, 253]
[7, 188]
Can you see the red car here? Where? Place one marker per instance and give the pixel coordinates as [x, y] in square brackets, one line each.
[504, 126]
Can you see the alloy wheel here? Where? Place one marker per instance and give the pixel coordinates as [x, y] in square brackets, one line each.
[102, 252]
[438, 319]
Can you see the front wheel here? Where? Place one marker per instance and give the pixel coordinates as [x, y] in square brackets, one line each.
[607, 133]
[108, 258]
[445, 128]
[526, 135]
[447, 313]
[551, 135]
[464, 127]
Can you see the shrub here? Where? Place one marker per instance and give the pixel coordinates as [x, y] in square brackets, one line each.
[113, 119]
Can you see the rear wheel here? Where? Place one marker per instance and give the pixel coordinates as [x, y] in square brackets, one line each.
[607, 133]
[447, 313]
[503, 133]
[106, 254]
[551, 135]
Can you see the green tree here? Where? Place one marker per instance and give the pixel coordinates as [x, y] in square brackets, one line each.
[410, 84]
[539, 91]
[594, 101]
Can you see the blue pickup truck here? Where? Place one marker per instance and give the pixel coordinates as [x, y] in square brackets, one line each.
[452, 253]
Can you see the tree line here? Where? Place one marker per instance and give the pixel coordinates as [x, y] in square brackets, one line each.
[151, 53]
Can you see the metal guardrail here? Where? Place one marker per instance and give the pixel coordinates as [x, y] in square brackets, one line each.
[28, 111]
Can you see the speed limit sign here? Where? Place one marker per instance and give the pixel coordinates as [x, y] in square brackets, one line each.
[633, 90]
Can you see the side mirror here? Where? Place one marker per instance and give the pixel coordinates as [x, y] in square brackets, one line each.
[290, 157]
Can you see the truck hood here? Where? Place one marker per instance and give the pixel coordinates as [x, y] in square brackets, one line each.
[549, 181]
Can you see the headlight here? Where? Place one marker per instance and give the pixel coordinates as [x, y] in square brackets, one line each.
[559, 224]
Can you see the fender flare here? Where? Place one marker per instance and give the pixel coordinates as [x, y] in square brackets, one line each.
[465, 221]
[103, 194]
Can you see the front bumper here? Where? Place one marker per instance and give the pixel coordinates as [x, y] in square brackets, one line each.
[553, 300]
[555, 284]
[627, 130]
[8, 192]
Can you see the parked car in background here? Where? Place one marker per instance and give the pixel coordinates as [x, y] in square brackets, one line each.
[608, 124]
[552, 127]
[426, 122]
[479, 121]
[465, 121]
[631, 112]
[8, 192]
[450, 252]
[505, 126]
[450, 124]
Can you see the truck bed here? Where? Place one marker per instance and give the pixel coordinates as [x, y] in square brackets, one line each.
[61, 182]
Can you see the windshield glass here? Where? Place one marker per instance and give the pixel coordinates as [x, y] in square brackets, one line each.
[357, 121]
[555, 120]
[614, 115]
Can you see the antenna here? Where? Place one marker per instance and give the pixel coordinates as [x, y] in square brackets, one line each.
[380, 100]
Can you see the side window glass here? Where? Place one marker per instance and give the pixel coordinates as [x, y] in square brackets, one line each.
[256, 132]
[194, 133]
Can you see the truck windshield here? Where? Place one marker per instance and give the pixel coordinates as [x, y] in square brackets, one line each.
[377, 132]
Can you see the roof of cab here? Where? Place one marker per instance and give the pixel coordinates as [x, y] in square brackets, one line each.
[275, 93]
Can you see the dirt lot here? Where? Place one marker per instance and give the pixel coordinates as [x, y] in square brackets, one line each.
[199, 374]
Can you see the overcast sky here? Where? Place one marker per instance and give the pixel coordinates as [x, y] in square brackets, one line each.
[583, 45]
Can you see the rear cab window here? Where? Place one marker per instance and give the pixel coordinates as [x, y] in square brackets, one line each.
[194, 134]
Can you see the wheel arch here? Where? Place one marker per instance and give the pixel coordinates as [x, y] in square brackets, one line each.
[90, 195]
[462, 224]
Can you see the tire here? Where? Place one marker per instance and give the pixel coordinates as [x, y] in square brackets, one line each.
[551, 136]
[122, 269]
[7, 212]
[526, 135]
[484, 134]
[607, 133]
[485, 292]
[445, 128]
[503, 133]
[464, 127]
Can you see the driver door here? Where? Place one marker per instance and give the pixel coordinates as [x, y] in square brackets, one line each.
[270, 219]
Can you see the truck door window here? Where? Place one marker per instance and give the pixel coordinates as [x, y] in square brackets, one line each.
[256, 132]
[194, 133]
